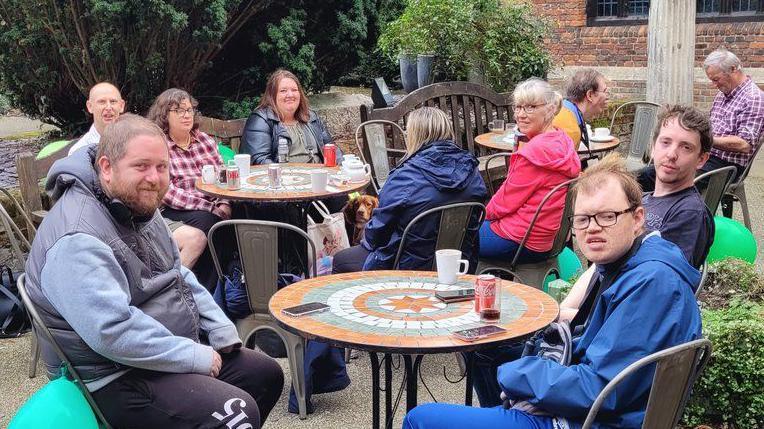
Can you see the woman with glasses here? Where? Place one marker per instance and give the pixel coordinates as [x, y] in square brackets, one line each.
[190, 212]
[284, 112]
[546, 160]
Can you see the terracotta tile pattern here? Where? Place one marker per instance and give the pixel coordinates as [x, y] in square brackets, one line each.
[268, 195]
[367, 312]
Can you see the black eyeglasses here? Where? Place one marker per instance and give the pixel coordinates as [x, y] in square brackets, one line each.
[181, 112]
[603, 219]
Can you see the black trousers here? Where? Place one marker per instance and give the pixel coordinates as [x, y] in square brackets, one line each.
[245, 391]
[349, 260]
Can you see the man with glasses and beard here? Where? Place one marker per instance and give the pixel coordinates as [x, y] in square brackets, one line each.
[148, 340]
[641, 302]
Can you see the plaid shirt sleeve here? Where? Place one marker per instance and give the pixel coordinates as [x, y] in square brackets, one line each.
[751, 121]
[186, 168]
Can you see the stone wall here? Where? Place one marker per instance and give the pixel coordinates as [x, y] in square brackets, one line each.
[621, 50]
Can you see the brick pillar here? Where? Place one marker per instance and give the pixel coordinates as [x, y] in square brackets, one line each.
[670, 51]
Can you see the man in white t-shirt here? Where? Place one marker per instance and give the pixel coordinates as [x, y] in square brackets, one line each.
[105, 103]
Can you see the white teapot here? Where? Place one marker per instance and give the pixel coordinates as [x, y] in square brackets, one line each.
[356, 170]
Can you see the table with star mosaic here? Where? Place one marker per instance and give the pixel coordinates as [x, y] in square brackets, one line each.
[396, 312]
[295, 178]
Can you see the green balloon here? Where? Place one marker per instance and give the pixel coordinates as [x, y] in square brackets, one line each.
[51, 148]
[59, 404]
[732, 239]
[225, 152]
[569, 266]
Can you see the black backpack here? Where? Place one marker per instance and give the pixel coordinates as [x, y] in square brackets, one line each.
[14, 320]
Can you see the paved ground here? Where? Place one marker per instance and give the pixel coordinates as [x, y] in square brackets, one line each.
[349, 409]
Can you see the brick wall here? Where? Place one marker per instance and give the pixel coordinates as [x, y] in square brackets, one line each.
[624, 47]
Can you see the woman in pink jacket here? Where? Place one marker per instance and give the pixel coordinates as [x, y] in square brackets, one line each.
[546, 160]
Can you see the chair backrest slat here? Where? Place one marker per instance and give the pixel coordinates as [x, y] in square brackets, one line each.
[258, 246]
[645, 113]
[452, 227]
[717, 183]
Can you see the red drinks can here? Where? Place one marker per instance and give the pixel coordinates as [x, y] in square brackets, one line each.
[330, 155]
[485, 292]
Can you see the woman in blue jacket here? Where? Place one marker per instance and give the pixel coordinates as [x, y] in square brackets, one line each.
[434, 173]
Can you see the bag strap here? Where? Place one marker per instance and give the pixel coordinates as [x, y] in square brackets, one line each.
[322, 209]
[9, 318]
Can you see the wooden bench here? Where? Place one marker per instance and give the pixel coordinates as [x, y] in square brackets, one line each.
[469, 106]
[30, 171]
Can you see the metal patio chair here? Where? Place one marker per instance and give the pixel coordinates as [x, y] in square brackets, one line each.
[376, 151]
[43, 330]
[258, 246]
[676, 370]
[736, 190]
[641, 132]
[716, 183]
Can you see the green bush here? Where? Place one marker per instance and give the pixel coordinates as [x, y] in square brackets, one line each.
[731, 389]
[731, 279]
[502, 40]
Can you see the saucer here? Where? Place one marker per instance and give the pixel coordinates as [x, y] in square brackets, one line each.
[601, 139]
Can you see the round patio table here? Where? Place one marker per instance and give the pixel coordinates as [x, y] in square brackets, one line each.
[496, 141]
[397, 312]
[296, 185]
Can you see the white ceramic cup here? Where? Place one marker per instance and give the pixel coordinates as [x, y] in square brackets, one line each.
[601, 132]
[209, 175]
[450, 265]
[318, 180]
[243, 162]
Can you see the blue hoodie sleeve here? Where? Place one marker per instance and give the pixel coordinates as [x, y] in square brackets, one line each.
[652, 316]
[220, 330]
[84, 282]
[386, 217]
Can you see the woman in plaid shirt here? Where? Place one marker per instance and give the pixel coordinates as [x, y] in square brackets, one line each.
[191, 213]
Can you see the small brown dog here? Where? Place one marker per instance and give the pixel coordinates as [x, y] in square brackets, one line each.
[357, 214]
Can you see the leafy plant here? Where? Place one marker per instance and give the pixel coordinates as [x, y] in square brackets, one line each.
[731, 279]
[504, 40]
[731, 388]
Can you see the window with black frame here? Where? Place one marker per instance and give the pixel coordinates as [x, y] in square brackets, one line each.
[612, 12]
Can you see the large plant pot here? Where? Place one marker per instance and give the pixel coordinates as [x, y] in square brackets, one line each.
[408, 71]
[424, 69]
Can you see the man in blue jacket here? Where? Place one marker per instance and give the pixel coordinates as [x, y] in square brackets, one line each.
[642, 303]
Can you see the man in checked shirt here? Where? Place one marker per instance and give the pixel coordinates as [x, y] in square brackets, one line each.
[737, 116]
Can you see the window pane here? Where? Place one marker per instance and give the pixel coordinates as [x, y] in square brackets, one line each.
[607, 7]
[639, 7]
[708, 6]
[743, 5]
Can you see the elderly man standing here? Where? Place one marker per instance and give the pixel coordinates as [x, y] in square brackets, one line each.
[586, 96]
[105, 103]
[642, 302]
[147, 338]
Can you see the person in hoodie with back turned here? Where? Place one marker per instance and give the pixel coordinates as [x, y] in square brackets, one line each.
[546, 160]
[434, 173]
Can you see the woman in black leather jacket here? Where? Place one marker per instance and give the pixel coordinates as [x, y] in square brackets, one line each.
[284, 112]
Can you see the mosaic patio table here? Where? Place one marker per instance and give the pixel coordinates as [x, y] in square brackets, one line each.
[496, 141]
[295, 178]
[397, 312]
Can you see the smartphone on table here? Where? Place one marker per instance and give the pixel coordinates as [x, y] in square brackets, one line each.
[305, 309]
[474, 334]
[455, 295]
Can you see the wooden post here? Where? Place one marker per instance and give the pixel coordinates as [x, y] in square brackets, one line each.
[671, 51]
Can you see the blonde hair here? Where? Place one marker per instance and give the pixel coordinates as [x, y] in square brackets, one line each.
[425, 125]
[613, 165]
[538, 92]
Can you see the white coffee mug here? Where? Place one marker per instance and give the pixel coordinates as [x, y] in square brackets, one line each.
[318, 180]
[209, 175]
[601, 132]
[243, 162]
[450, 265]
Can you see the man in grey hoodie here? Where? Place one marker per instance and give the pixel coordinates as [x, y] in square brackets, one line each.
[147, 338]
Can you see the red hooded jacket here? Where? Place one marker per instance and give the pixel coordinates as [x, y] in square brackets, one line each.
[541, 164]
